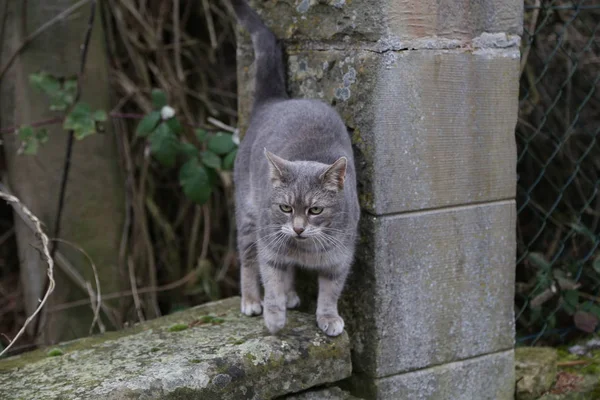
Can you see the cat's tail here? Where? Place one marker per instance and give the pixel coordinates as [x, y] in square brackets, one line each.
[270, 72]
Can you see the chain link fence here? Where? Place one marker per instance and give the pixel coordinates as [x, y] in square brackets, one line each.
[558, 264]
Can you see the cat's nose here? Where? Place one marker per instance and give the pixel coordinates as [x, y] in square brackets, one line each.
[298, 230]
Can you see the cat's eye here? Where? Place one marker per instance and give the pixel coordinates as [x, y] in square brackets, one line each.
[285, 208]
[315, 210]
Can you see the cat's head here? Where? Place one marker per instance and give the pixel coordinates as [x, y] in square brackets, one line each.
[307, 197]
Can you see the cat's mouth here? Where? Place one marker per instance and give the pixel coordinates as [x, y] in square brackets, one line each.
[300, 237]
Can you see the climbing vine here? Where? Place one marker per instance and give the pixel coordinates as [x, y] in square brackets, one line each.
[198, 163]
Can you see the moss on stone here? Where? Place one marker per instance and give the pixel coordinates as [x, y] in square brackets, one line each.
[55, 353]
[198, 362]
[586, 367]
[535, 369]
[178, 327]
[590, 362]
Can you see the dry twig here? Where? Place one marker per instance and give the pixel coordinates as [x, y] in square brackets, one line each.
[16, 203]
[95, 298]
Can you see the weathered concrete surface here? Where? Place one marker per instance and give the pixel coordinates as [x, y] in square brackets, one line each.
[333, 393]
[490, 377]
[391, 21]
[234, 359]
[432, 287]
[430, 129]
[535, 369]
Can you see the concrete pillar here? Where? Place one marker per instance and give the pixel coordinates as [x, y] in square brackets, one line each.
[429, 92]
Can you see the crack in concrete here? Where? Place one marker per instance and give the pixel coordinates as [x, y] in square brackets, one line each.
[485, 41]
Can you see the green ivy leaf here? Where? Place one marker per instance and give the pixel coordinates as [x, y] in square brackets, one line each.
[594, 309]
[70, 86]
[30, 147]
[159, 99]
[188, 149]
[25, 132]
[596, 265]
[571, 301]
[539, 260]
[174, 124]
[582, 230]
[195, 181]
[221, 143]
[81, 121]
[229, 160]
[213, 177]
[551, 320]
[69, 91]
[61, 95]
[100, 116]
[164, 145]
[148, 124]
[45, 82]
[42, 135]
[29, 143]
[31, 139]
[201, 134]
[211, 160]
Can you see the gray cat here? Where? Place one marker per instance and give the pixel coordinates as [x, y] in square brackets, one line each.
[295, 192]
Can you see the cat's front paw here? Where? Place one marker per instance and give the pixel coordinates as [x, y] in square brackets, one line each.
[274, 320]
[332, 325]
[251, 307]
[292, 300]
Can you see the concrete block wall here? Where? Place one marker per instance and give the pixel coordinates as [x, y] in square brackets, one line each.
[429, 92]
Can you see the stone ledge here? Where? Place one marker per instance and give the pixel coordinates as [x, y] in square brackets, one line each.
[334, 393]
[208, 352]
[489, 377]
[389, 20]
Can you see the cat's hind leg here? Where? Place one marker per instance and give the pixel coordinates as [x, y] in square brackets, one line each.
[250, 273]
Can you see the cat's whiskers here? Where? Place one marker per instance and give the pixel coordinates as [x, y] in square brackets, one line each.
[320, 242]
[337, 232]
[254, 243]
[272, 238]
[273, 241]
[335, 242]
[284, 239]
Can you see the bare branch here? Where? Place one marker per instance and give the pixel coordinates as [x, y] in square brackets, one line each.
[16, 203]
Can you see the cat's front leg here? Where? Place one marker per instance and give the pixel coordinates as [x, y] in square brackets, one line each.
[274, 305]
[331, 284]
[292, 299]
[249, 272]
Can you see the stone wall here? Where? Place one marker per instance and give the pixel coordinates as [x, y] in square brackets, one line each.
[429, 91]
[210, 352]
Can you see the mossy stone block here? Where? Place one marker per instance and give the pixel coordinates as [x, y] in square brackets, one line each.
[233, 359]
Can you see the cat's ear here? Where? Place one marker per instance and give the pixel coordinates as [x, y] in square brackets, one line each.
[333, 178]
[277, 168]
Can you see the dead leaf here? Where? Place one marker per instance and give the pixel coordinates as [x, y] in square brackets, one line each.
[566, 382]
[586, 321]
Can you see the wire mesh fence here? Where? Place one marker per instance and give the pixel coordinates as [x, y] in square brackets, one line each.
[558, 264]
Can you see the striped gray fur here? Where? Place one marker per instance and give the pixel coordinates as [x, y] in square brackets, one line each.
[295, 191]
